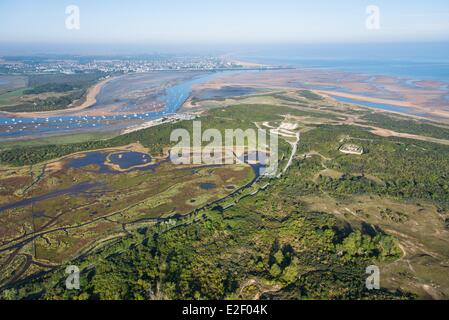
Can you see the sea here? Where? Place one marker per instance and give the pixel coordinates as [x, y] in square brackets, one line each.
[417, 61]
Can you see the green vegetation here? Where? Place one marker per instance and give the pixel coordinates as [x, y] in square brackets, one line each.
[156, 138]
[75, 80]
[268, 241]
[408, 126]
[62, 139]
[9, 96]
[10, 83]
[50, 87]
[48, 104]
[408, 169]
[222, 256]
[49, 92]
[310, 95]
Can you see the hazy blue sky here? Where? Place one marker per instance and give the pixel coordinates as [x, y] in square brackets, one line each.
[220, 21]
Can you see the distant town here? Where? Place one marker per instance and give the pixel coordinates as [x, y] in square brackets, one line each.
[116, 64]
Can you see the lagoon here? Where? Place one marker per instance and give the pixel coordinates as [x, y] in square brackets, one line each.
[382, 106]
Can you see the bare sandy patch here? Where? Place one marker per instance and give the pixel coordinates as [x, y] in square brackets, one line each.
[389, 133]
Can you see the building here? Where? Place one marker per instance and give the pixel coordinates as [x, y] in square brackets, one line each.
[351, 149]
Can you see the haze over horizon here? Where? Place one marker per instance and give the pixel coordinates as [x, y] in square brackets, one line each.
[175, 23]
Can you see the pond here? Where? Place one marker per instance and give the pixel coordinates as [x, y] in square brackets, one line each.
[126, 160]
[382, 106]
[208, 186]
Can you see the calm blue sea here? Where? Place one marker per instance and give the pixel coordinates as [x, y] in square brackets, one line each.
[422, 61]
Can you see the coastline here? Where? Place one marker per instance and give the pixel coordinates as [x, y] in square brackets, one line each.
[89, 100]
[427, 99]
[358, 100]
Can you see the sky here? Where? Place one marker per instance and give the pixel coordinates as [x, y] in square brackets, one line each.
[222, 21]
